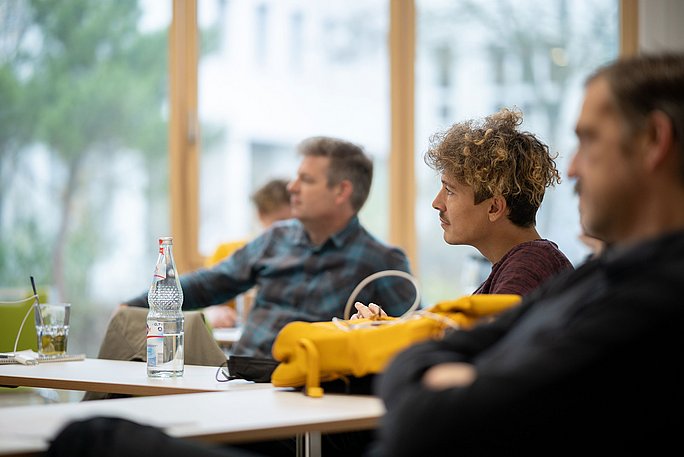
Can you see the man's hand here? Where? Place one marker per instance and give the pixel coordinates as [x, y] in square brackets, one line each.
[372, 311]
[449, 375]
[219, 316]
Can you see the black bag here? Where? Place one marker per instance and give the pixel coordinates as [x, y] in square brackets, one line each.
[251, 368]
[260, 369]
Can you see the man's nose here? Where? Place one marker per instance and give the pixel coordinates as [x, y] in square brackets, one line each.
[292, 185]
[572, 168]
[437, 202]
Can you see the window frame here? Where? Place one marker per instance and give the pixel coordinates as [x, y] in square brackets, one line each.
[185, 137]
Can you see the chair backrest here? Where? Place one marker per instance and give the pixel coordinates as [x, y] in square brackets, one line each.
[11, 316]
[222, 251]
[125, 338]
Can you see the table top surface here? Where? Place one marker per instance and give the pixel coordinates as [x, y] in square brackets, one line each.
[234, 416]
[116, 376]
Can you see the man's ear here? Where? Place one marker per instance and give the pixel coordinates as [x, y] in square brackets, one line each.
[659, 139]
[345, 189]
[497, 208]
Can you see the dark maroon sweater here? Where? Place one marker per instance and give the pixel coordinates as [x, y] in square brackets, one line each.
[524, 267]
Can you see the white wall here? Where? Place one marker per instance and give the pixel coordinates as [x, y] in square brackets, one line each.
[660, 25]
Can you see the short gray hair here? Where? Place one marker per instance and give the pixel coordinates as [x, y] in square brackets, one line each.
[347, 161]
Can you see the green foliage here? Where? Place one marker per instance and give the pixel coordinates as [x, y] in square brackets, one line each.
[98, 81]
[24, 251]
[210, 38]
[82, 81]
[10, 108]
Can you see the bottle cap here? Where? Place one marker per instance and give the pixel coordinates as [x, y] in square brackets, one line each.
[165, 240]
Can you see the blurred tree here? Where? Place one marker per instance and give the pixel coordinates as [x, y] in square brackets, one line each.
[551, 43]
[81, 80]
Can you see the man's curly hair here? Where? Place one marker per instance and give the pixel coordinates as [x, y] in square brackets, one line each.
[495, 158]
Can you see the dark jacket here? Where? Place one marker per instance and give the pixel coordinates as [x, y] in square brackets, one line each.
[590, 362]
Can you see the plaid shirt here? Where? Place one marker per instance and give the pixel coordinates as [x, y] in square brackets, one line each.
[298, 281]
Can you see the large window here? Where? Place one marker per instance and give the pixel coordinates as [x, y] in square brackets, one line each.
[272, 73]
[83, 152]
[125, 120]
[474, 58]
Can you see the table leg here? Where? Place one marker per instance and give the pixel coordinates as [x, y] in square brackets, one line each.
[308, 444]
[299, 449]
[313, 444]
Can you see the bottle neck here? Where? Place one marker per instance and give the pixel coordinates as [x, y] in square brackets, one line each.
[166, 249]
[166, 265]
[168, 255]
[165, 294]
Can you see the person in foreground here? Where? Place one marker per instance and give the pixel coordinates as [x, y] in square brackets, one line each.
[306, 267]
[493, 181]
[589, 362]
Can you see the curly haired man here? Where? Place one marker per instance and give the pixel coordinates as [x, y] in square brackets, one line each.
[493, 182]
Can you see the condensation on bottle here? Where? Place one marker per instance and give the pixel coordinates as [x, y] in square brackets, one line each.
[165, 355]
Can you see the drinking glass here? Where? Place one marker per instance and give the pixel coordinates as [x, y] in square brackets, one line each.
[52, 327]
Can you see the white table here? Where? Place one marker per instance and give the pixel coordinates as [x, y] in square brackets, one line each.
[227, 417]
[116, 376]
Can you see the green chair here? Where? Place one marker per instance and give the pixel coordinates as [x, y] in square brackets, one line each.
[11, 316]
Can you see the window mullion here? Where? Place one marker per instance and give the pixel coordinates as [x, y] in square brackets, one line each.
[184, 134]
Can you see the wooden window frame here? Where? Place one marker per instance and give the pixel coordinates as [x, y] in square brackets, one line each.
[184, 134]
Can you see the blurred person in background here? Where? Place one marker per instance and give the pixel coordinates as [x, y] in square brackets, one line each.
[306, 267]
[272, 204]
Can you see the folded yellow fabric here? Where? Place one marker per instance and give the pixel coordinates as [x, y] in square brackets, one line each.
[331, 350]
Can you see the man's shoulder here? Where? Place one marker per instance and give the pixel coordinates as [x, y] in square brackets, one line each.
[542, 250]
[363, 246]
[278, 237]
[286, 228]
[287, 224]
[525, 267]
[372, 242]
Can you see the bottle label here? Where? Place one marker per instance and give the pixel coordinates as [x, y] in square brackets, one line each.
[155, 343]
[160, 271]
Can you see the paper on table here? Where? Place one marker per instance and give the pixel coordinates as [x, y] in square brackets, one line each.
[10, 357]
